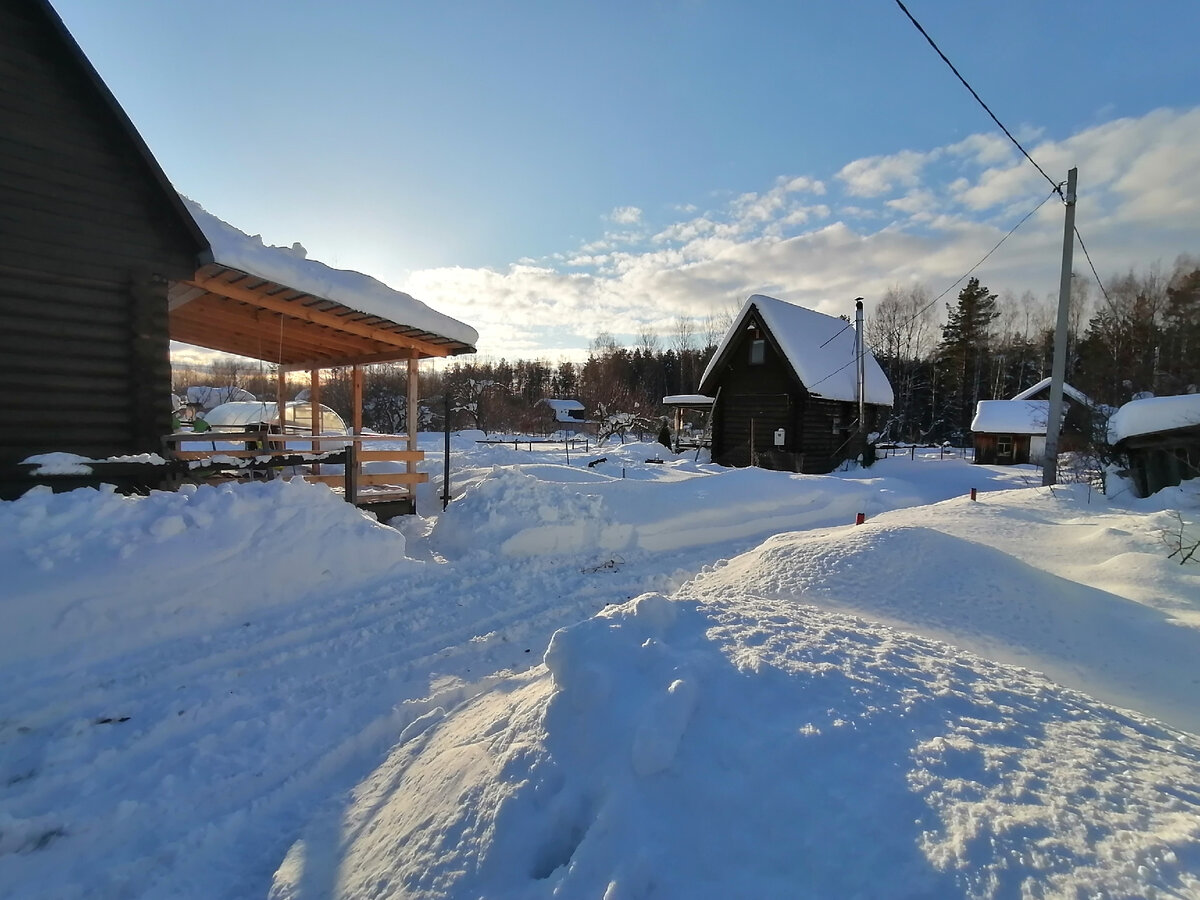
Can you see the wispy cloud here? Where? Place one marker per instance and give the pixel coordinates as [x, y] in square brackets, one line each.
[914, 215]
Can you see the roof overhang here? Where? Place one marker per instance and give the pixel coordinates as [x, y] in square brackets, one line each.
[222, 308]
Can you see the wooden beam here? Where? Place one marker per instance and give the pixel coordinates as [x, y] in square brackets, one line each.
[280, 402]
[356, 391]
[232, 314]
[410, 466]
[315, 316]
[397, 355]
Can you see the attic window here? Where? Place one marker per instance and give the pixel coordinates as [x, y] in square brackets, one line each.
[758, 351]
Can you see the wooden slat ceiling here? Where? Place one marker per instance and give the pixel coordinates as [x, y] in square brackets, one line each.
[226, 309]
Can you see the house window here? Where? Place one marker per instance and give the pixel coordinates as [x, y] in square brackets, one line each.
[758, 352]
[1004, 445]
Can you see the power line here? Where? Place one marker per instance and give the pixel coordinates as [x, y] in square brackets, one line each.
[978, 99]
[960, 280]
[1095, 274]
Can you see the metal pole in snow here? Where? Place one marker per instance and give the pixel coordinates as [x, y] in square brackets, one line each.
[860, 370]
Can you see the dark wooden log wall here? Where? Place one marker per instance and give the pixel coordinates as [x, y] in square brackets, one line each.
[89, 238]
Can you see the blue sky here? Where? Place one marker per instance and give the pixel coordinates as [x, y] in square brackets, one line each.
[549, 170]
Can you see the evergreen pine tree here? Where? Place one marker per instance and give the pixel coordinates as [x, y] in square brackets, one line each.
[963, 355]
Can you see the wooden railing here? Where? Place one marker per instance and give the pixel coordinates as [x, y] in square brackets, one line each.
[267, 454]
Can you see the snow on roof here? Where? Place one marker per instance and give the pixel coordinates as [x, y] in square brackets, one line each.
[1011, 416]
[208, 397]
[1154, 414]
[291, 267]
[239, 414]
[563, 409]
[1075, 394]
[687, 400]
[820, 349]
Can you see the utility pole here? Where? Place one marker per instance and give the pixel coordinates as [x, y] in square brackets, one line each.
[1058, 371]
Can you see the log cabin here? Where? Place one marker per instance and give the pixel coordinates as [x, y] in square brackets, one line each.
[785, 390]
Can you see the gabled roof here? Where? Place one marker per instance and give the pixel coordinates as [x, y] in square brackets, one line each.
[1153, 415]
[1077, 395]
[819, 348]
[124, 123]
[1011, 416]
[563, 409]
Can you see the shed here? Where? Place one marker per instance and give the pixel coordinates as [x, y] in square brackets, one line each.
[785, 391]
[1012, 432]
[103, 264]
[1160, 439]
[568, 415]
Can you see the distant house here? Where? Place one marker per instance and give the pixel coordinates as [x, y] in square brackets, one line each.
[784, 389]
[1160, 438]
[566, 415]
[103, 264]
[1012, 432]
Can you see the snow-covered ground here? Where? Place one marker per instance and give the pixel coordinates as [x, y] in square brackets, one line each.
[637, 679]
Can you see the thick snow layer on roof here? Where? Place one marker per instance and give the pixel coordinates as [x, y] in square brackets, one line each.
[819, 347]
[687, 400]
[1077, 395]
[563, 409]
[1154, 414]
[291, 267]
[1011, 416]
[208, 397]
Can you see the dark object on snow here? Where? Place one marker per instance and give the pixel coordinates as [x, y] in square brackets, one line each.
[664, 434]
[596, 462]
[655, 460]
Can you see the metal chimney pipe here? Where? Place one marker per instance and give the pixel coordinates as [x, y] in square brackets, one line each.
[860, 365]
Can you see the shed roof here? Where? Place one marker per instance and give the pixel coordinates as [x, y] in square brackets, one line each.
[1153, 415]
[819, 348]
[1011, 416]
[273, 303]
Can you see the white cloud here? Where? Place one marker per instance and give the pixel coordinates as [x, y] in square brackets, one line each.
[877, 175]
[625, 215]
[1139, 202]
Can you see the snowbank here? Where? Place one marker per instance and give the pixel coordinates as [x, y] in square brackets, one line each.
[93, 573]
[759, 748]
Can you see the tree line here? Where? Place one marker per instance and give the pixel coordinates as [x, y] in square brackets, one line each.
[1141, 335]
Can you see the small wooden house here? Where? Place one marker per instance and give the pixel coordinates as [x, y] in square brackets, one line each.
[1012, 432]
[564, 415]
[1160, 439]
[785, 390]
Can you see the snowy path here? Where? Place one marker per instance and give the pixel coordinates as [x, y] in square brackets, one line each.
[257, 653]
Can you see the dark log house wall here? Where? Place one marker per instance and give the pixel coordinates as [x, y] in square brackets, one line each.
[90, 232]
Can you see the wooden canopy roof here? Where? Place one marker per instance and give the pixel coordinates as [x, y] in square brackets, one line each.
[223, 308]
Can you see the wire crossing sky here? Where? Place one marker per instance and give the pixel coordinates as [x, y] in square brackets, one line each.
[548, 171]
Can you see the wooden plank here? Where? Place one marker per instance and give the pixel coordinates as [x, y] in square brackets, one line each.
[391, 455]
[314, 316]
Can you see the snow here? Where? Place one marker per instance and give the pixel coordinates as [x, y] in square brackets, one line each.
[1011, 416]
[207, 397]
[688, 400]
[564, 409]
[1068, 391]
[1153, 414]
[629, 680]
[820, 348]
[291, 267]
[298, 412]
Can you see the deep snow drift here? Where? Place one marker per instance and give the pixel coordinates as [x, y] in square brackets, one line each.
[234, 691]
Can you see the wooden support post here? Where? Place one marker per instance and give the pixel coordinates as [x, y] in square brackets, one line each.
[414, 395]
[280, 396]
[356, 388]
[352, 464]
[314, 402]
